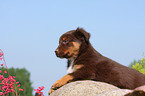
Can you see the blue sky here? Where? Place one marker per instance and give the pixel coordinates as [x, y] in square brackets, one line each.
[30, 30]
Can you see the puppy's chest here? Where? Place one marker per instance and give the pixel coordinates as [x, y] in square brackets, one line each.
[71, 67]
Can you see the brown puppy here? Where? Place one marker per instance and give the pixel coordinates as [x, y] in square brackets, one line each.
[85, 63]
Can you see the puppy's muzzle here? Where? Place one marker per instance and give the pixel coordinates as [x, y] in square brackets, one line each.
[57, 53]
[61, 54]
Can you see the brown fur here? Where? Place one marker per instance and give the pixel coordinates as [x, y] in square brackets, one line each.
[136, 93]
[91, 65]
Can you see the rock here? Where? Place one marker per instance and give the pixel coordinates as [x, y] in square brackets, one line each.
[141, 88]
[90, 88]
[139, 91]
[136, 93]
[118, 92]
[85, 88]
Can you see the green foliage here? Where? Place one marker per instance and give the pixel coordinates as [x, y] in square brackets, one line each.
[23, 76]
[139, 65]
[134, 62]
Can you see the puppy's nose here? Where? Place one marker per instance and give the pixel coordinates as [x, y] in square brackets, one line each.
[56, 51]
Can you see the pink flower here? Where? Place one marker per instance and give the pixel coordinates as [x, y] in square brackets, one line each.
[5, 71]
[7, 85]
[1, 93]
[39, 90]
[1, 77]
[14, 77]
[42, 87]
[20, 89]
[18, 85]
[1, 54]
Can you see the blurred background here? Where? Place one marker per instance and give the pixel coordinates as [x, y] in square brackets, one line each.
[30, 31]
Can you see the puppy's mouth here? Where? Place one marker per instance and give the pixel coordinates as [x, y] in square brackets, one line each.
[67, 55]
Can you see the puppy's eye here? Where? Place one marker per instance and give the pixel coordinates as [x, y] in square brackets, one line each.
[65, 41]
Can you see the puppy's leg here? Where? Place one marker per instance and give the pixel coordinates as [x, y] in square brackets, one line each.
[67, 78]
[81, 74]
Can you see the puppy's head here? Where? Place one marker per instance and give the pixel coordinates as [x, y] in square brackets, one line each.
[70, 42]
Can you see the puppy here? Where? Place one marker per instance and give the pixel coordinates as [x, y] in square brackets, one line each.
[85, 63]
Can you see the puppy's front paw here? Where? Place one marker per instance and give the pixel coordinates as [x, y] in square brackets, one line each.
[61, 82]
[51, 90]
[56, 85]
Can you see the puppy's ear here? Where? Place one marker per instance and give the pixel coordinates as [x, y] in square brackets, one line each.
[81, 34]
